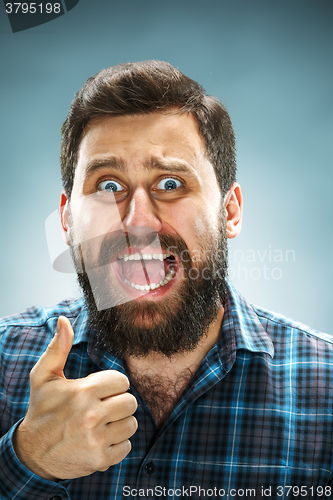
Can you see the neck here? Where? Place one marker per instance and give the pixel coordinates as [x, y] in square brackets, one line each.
[161, 379]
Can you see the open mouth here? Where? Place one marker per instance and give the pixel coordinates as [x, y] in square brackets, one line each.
[147, 271]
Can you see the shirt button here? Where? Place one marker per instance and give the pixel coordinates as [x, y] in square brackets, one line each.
[150, 468]
[57, 497]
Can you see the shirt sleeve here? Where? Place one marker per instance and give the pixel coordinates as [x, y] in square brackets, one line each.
[17, 482]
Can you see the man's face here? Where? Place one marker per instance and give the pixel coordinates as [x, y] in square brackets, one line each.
[144, 188]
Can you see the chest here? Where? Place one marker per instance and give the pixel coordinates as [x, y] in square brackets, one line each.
[161, 392]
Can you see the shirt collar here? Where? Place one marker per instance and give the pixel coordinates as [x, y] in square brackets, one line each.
[83, 332]
[80, 325]
[241, 329]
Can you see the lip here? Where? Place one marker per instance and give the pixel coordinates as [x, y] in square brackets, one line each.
[144, 294]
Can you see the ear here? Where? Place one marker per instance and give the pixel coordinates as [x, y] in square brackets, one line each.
[64, 216]
[233, 205]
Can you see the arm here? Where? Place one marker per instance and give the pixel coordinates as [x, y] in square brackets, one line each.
[73, 427]
[16, 481]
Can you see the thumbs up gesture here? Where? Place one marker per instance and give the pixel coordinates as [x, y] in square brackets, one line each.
[74, 427]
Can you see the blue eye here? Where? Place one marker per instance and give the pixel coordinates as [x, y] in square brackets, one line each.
[168, 184]
[110, 185]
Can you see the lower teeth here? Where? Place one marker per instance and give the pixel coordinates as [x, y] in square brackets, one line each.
[168, 277]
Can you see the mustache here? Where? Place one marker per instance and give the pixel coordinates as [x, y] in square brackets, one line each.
[116, 242]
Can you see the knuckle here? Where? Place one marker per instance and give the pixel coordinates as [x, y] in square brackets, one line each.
[90, 419]
[85, 392]
[51, 347]
[116, 381]
[104, 469]
[121, 379]
[87, 387]
[120, 451]
[94, 444]
[134, 404]
[130, 403]
[128, 446]
[135, 423]
[103, 463]
[105, 458]
[79, 401]
[132, 425]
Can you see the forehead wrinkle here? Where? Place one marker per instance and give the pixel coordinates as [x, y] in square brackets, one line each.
[98, 164]
[169, 166]
[114, 163]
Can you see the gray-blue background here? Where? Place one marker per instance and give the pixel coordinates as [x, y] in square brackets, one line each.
[269, 61]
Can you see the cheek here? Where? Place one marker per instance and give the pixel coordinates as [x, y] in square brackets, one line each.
[196, 225]
[179, 218]
[82, 227]
[92, 219]
[207, 224]
[207, 220]
[205, 235]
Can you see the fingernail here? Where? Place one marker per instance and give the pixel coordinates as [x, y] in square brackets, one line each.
[58, 325]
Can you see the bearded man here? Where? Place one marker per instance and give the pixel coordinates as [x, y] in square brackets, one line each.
[230, 400]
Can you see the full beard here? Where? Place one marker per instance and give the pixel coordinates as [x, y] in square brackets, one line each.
[170, 325]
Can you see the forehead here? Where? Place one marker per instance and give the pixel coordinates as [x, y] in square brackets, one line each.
[135, 138]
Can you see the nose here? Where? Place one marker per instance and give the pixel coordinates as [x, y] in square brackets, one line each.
[141, 213]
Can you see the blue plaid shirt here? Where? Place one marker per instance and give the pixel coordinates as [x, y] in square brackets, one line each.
[256, 420]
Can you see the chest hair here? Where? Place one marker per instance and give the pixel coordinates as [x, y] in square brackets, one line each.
[160, 392]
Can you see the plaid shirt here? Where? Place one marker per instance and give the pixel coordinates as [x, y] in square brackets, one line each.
[255, 421]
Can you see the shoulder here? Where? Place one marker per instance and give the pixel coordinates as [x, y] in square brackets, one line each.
[280, 335]
[38, 315]
[298, 345]
[36, 324]
[278, 324]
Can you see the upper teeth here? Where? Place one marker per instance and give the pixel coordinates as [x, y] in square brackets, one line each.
[143, 256]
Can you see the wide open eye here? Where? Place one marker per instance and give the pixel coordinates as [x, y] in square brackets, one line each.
[168, 184]
[111, 186]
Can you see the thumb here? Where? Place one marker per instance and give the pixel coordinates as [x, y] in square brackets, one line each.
[52, 362]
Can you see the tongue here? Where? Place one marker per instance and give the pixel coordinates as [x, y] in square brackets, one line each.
[143, 272]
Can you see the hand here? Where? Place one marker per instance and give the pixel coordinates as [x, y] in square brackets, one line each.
[74, 427]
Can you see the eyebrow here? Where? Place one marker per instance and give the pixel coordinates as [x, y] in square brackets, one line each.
[152, 164]
[169, 165]
[95, 165]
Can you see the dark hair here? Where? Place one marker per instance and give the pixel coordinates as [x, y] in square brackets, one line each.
[144, 87]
